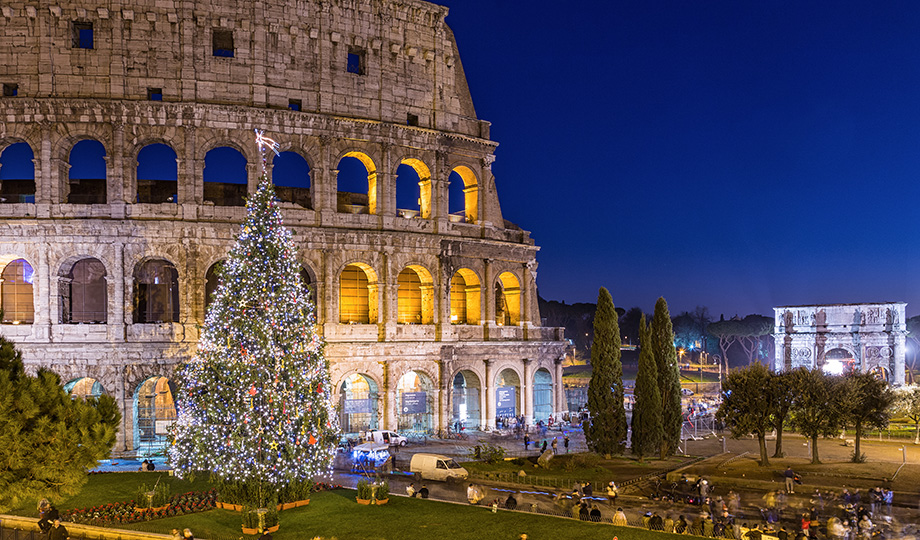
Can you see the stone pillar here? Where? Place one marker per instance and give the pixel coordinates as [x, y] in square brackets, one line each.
[559, 402]
[385, 184]
[489, 387]
[897, 360]
[117, 193]
[41, 325]
[527, 391]
[485, 211]
[253, 175]
[390, 401]
[117, 299]
[488, 294]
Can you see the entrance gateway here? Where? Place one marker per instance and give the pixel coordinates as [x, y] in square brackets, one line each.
[841, 337]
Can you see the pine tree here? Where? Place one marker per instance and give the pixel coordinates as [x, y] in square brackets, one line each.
[647, 430]
[605, 431]
[48, 440]
[668, 378]
[254, 405]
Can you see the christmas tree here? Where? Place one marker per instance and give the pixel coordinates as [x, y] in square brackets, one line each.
[254, 406]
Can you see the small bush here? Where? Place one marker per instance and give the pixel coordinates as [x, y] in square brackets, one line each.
[861, 458]
[382, 491]
[365, 490]
[487, 452]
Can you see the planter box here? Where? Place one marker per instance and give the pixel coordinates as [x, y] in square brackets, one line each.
[302, 503]
[228, 506]
[363, 501]
[382, 501]
[293, 504]
[247, 530]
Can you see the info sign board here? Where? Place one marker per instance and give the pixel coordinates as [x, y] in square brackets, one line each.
[414, 402]
[505, 400]
[359, 406]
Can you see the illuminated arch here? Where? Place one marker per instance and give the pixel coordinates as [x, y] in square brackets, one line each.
[84, 293]
[415, 395]
[417, 197]
[505, 380]
[358, 294]
[414, 296]
[351, 196]
[508, 300]
[465, 297]
[463, 196]
[154, 410]
[86, 388]
[17, 174]
[211, 283]
[466, 399]
[358, 403]
[16, 294]
[542, 395]
[838, 361]
[157, 174]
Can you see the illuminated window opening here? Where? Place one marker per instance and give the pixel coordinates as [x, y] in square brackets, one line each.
[156, 293]
[85, 388]
[155, 410]
[465, 297]
[84, 297]
[357, 295]
[463, 196]
[16, 294]
[356, 184]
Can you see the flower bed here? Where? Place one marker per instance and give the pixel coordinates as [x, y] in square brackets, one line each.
[128, 512]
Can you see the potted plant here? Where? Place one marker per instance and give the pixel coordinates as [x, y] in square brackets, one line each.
[153, 499]
[365, 492]
[382, 492]
[257, 520]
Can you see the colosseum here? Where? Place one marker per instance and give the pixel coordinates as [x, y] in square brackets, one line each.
[126, 151]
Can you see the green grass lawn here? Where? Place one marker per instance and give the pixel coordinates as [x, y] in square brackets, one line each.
[335, 514]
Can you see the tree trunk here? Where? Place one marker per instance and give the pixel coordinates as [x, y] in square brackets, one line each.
[778, 453]
[814, 450]
[858, 426]
[764, 460]
[917, 433]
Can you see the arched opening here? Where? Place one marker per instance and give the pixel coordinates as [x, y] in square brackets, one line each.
[507, 300]
[306, 279]
[465, 397]
[356, 184]
[415, 403]
[463, 195]
[84, 296]
[465, 297]
[225, 180]
[156, 292]
[17, 174]
[87, 177]
[358, 403]
[414, 296]
[357, 295]
[157, 174]
[154, 411]
[413, 189]
[882, 373]
[291, 177]
[16, 293]
[86, 388]
[507, 396]
[839, 361]
[542, 395]
[211, 282]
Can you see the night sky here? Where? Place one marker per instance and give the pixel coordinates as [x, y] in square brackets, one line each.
[735, 155]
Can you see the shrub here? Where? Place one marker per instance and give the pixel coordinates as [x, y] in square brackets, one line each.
[487, 452]
[382, 491]
[365, 490]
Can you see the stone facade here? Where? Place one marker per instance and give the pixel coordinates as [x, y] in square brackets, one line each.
[289, 71]
[867, 337]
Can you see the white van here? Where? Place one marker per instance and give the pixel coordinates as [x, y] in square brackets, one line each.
[436, 467]
[390, 438]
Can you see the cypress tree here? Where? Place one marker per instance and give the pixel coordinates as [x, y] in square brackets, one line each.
[605, 431]
[647, 430]
[668, 378]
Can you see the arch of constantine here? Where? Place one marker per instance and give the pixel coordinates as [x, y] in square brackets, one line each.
[125, 156]
[842, 337]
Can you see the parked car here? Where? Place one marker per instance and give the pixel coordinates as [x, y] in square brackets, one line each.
[436, 467]
[385, 437]
[686, 392]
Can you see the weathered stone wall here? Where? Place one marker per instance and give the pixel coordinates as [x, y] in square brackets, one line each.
[874, 335]
[67, 95]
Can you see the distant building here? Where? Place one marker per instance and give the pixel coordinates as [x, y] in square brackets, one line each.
[841, 337]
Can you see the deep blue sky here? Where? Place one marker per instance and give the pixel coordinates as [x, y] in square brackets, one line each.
[735, 155]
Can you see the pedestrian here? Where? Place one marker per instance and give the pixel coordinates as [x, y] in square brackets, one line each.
[619, 518]
[612, 492]
[583, 513]
[790, 480]
[511, 502]
[187, 534]
[410, 489]
[57, 531]
[471, 494]
[655, 523]
[47, 514]
[595, 513]
[526, 442]
[554, 445]
[681, 526]
[587, 490]
[176, 535]
[565, 442]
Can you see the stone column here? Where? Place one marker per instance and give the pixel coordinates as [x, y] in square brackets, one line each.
[41, 325]
[559, 403]
[527, 391]
[488, 294]
[489, 387]
[117, 193]
[118, 300]
[253, 175]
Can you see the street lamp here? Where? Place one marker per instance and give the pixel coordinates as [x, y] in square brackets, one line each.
[903, 450]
